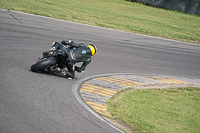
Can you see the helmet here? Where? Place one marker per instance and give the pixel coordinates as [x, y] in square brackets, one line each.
[93, 49]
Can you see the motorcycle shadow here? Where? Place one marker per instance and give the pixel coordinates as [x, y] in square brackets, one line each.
[53, 74]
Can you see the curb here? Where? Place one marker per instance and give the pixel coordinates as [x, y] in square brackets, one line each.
[94, 91]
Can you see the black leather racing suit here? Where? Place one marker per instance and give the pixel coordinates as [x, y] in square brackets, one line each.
[76, 53]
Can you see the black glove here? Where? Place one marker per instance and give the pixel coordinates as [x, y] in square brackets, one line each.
[65, 42]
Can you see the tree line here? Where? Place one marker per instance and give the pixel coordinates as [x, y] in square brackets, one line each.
[186, 6]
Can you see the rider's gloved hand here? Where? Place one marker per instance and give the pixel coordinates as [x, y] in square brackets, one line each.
[78, 69]
[64, 42]
[69, 42]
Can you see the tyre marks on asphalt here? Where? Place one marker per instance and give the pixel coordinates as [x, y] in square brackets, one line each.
[97, 91]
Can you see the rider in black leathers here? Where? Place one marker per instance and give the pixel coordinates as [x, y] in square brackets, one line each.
[75, 53]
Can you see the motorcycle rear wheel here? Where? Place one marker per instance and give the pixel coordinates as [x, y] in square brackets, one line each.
[40, 65]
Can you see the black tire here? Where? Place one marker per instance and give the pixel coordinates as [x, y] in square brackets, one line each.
[43, 64]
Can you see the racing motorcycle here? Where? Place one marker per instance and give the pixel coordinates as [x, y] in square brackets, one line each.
[52, 62]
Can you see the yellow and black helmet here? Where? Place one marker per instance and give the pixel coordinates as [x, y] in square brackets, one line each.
[93, 49]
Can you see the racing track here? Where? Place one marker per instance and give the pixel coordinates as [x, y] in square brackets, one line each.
[39, 103]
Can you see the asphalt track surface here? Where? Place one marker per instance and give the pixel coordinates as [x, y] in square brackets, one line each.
[39, 103]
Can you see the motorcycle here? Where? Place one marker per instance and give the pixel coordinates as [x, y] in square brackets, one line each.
[52, 63]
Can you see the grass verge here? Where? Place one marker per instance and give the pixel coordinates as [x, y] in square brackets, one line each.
[158, 110]
[116, 14]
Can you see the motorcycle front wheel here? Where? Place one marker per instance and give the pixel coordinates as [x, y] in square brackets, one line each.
[40, 65]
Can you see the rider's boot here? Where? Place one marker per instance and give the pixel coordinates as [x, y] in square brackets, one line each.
[70, 75]
[71, 71]
[66, 73]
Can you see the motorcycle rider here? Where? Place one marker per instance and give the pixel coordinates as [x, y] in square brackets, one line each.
[75, 53]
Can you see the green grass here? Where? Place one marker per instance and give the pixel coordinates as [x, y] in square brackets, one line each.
[116, 14]
[158, 111]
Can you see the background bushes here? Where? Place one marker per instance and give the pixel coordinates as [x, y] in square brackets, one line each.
[186, 6]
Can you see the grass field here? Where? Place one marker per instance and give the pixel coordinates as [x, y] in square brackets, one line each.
[116, 14]
[158, 111]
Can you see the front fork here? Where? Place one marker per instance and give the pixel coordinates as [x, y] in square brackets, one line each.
[55, 68]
